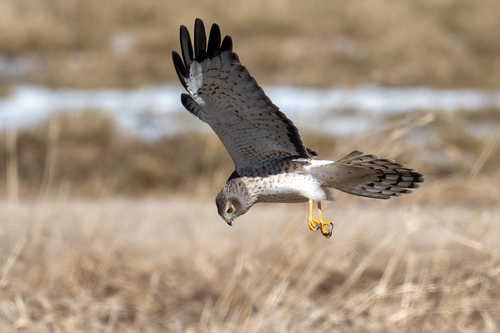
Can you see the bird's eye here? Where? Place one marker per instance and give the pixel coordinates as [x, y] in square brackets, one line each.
[230, 210]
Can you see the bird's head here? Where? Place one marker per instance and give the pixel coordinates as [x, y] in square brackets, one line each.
[233, 200]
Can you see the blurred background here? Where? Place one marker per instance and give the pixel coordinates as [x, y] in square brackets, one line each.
[101, 74]
[108, 183]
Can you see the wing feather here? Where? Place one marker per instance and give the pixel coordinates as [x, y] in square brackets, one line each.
[193, 107]
[227, 44]
[223, 94]
[200, 40]
[186, 47]
[214, 41]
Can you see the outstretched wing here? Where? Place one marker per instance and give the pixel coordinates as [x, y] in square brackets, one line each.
[368, 176]
[223, 94]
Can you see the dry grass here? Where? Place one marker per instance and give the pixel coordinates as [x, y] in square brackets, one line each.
[87, 156]
[173, 265]
[92, 43]
[161, 260]
[166, 262]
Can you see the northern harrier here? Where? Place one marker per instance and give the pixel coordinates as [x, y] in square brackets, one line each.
[271, 162]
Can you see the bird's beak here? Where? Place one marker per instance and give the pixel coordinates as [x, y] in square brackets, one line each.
[229, 222]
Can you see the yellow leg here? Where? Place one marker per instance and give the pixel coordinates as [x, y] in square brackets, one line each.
[313, 224]
[326, 233]
[319, 223]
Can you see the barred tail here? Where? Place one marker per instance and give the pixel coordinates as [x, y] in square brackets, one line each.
[369, 176]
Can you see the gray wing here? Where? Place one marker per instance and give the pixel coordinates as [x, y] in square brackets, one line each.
[223, 94]
[369, 176]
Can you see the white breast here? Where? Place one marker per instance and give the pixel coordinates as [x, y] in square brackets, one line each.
[286, 188]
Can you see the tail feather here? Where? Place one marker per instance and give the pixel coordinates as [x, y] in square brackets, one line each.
[369, 176]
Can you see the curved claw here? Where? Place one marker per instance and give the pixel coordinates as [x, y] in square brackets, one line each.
[313, 224]
[318, 224]
[324, 231]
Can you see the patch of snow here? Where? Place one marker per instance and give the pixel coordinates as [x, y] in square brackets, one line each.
[155, 111]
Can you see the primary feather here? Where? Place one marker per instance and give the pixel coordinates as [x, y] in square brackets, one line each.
[223, 94]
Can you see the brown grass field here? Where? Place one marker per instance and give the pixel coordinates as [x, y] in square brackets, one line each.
[127, 43]
[90, 241]
[104, 232]
[172, 265]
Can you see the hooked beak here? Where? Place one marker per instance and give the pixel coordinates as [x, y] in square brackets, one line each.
[229, 222]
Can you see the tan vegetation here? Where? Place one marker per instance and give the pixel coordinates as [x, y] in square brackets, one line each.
[162, 260]
[85, 154]
[102, 231]
[172, 265]
[127, 43]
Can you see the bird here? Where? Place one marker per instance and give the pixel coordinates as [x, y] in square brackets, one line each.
[272, 164]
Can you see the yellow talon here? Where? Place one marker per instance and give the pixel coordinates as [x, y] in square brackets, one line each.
[313, 224]
[319, 223]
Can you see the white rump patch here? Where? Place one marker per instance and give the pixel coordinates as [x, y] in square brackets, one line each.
[318, 163]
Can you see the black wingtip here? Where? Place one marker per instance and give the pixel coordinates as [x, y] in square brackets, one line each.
[185, 100]
[198, 21]
[186, 46]
[179, 68]
[312, 152]
[214, 41]
[200, 51]
[227, 44]
[200, 40]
